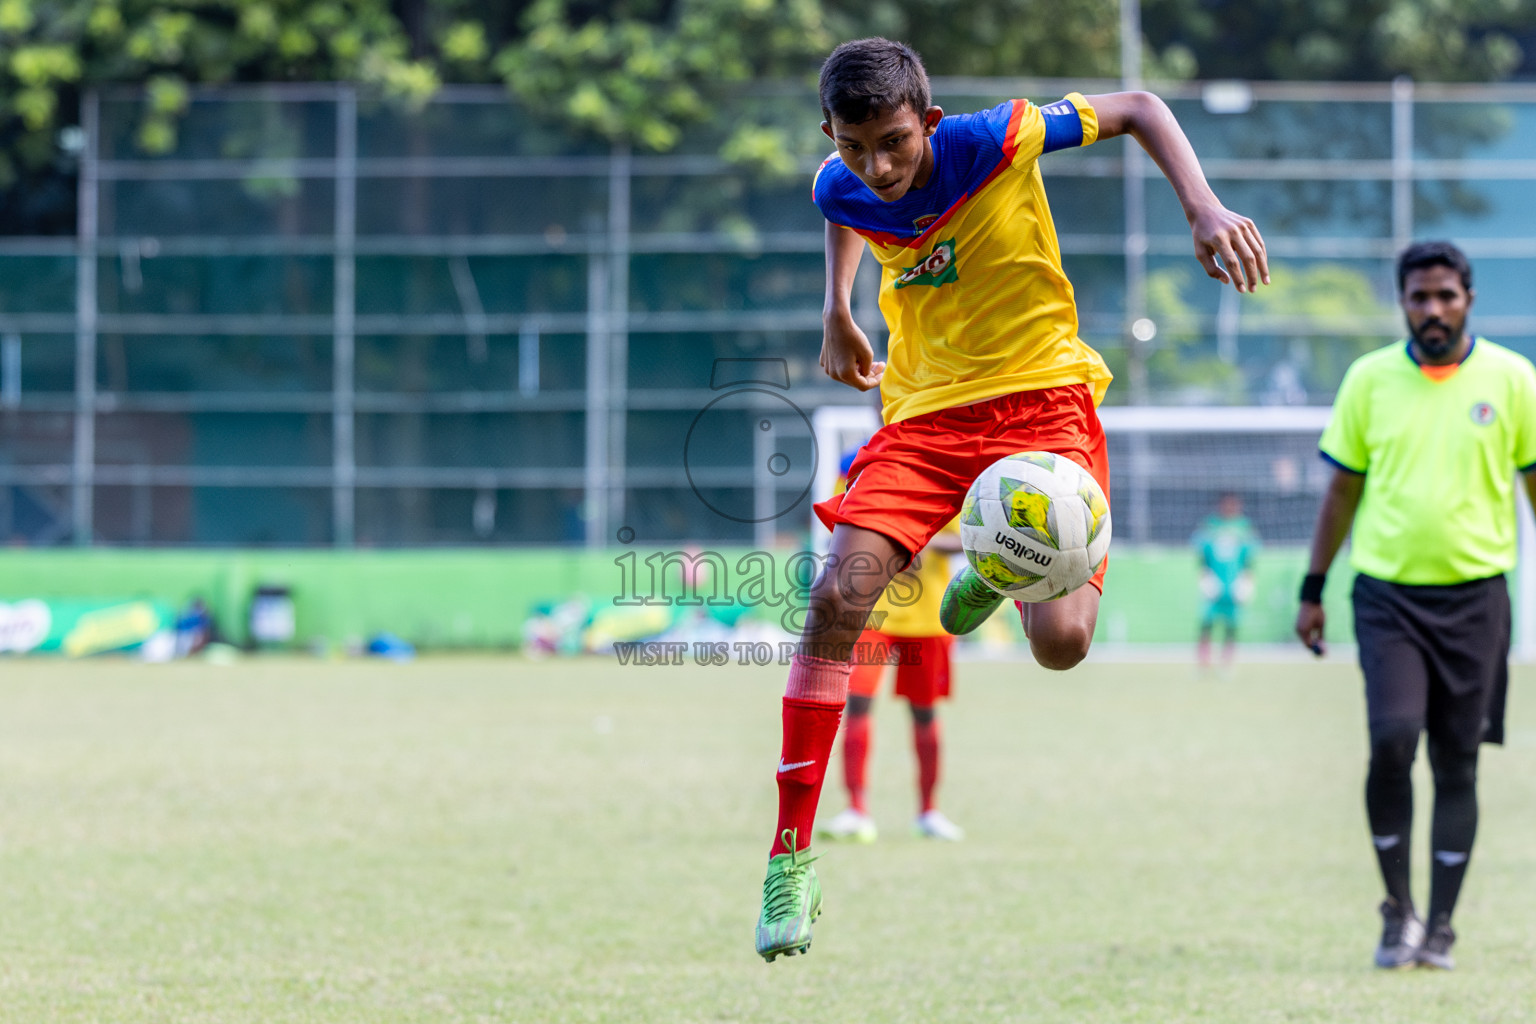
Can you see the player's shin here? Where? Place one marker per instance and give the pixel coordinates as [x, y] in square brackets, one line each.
[1389, 806]
[813, 706]
[856, 757]
[925, 744]
[1452, 828]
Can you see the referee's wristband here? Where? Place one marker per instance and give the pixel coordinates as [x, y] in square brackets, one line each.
[1312, 587]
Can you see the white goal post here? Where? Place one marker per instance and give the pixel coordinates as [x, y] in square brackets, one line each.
[838, 428]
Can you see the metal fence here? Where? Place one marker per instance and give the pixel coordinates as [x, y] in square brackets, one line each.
[323, 320]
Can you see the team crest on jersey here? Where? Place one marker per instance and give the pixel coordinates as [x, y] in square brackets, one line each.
[1483, 414]
[937, 269]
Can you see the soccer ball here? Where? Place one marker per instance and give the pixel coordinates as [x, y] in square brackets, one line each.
[1035, 526]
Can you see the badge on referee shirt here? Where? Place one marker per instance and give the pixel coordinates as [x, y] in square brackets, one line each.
[1483, 414]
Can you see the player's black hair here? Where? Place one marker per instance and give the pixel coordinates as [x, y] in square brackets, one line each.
[865, 78]
[1433, 254]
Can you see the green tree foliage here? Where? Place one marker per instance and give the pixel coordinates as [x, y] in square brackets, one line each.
[1344, 40]
[648, 71]
[645, 70]
[642, 70]
[50, 51]
[1068, 38]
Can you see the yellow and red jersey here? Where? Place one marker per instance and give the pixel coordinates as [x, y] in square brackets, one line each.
[972, 286]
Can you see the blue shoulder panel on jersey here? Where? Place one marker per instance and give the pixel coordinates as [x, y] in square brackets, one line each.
[967, 151]
[1063, 126]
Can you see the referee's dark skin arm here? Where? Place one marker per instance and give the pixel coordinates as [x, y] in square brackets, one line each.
[1529, 479]
[1333, 522]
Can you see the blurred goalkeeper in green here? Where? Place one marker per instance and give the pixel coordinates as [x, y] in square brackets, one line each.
[1226, 543]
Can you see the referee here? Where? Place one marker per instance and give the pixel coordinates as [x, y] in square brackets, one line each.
[1426, 438]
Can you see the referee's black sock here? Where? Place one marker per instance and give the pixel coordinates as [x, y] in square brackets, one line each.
[1389, 807]
[1453, 826]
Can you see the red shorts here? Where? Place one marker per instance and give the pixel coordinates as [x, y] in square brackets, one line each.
[911, 477]
[922, 666]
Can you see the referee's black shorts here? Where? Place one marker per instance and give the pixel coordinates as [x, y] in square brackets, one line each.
[1435, 657]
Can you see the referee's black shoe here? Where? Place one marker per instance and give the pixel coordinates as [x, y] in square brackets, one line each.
[1436, 949]
[1402, 933]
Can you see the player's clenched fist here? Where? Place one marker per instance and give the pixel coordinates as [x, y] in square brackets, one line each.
[847, 356]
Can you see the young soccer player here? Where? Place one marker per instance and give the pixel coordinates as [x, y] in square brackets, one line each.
[984, 361]
[1226, 543]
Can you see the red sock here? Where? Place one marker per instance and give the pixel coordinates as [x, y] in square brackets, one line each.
[809, 729]
[925, 740]
[813, 704]
[855, 757]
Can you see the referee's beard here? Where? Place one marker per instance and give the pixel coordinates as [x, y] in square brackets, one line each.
[1436, 345]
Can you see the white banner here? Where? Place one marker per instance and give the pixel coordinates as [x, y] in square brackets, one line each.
[24, 625]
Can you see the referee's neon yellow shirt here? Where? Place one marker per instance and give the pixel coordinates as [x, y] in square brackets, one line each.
[1439, 459]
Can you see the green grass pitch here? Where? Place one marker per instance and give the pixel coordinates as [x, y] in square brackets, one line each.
[497, 840]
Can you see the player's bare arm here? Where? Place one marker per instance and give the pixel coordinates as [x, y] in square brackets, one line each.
[1217, 231]
[846, 354]
[1333, 522]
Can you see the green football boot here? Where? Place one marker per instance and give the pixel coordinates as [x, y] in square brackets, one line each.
[967, 602]
[791, 901]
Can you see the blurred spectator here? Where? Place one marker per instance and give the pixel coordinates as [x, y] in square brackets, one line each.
[194, 628]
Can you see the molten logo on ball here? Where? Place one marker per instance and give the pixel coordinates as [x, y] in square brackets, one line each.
[1035, 526]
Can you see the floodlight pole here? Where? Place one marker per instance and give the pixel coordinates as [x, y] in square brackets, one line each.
[1402, 163]
[83, 472]
[620, 178]
[1134, 181]
[594, 505]
[344, 340]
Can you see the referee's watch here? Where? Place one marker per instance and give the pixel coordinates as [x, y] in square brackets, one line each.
[1312, 587]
